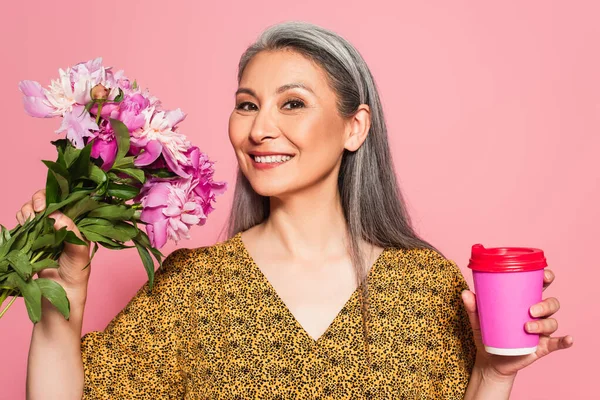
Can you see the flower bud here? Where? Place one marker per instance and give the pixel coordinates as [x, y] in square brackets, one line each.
[99, 92]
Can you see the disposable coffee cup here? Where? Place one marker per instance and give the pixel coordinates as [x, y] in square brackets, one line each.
[508, 281]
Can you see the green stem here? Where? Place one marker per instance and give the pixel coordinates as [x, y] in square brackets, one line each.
[36, 257]
[100, 104]
[9, 304]
[4, 295]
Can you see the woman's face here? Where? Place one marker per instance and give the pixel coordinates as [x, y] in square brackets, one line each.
[284, 107]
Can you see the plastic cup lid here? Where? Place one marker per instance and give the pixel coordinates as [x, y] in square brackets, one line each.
[506, 259]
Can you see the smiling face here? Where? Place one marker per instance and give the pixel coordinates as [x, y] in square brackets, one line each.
[284, 106]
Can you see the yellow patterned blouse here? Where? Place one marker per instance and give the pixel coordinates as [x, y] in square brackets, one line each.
[214, 328]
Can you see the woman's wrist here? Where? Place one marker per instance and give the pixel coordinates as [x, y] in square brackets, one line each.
[489, 374]
[489, 384]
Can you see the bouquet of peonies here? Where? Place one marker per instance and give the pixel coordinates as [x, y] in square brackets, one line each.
[123, 163]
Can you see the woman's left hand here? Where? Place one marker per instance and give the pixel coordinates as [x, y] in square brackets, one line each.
[501, 367]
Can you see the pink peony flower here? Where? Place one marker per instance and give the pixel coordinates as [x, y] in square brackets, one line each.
[78, 124]
[159, 136]
[169, 210]
[105, 146]
[130, 111]
[201, 170]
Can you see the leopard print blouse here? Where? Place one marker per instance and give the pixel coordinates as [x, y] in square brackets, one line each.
[213, 327]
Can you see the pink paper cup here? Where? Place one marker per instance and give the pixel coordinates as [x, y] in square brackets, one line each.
[508, 281]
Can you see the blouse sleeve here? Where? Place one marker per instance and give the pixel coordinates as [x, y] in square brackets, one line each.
[138, 355]
[451, 351]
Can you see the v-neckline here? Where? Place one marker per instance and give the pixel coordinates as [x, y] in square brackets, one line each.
[246, 254]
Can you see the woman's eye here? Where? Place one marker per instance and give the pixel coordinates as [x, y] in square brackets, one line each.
[248, 106]
[295, 103]
[242, 105]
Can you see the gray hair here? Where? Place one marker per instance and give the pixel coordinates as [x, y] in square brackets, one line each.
[373, 205]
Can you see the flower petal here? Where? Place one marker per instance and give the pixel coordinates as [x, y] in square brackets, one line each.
[174, 117]
[171, 211]
[31, 89]
[151, 152]
[190, 219]
[158, 195]
[37, 107]
[159, 233]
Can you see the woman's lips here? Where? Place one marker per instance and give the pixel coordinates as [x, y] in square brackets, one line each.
[262, 165]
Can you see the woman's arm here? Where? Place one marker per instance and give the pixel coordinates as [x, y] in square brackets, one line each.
[54, 368]
[485, 386]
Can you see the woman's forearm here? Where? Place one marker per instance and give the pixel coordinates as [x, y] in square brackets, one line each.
[484, 385]
[54, 367]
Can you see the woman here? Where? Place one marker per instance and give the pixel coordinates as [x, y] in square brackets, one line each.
[276, 310]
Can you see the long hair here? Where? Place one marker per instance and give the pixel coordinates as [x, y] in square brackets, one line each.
[374, 208]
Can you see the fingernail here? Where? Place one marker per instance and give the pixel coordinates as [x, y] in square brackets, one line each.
[532, 326]
[38, 204]
[535, 310]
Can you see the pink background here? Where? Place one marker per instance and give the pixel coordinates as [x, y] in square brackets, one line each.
[494, 121]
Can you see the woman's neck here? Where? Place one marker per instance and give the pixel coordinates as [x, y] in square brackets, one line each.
[307, 225]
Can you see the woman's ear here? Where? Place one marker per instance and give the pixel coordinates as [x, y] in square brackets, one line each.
[357, 128]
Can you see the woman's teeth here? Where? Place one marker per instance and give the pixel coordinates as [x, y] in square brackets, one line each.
[271, 159]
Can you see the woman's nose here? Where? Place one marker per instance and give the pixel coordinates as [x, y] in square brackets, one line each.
[263, 127]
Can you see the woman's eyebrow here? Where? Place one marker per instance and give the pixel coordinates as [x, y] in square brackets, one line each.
[281, 89]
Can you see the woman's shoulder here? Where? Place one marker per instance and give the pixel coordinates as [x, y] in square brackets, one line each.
[422, 265]
[205, 258]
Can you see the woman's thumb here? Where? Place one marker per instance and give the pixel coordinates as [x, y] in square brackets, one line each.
[470, 302]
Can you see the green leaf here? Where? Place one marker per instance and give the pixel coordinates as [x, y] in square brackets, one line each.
[90, 220]
[4, 265]
[73, 197]
[61, 145]
[21, 264]
[18, 238]
[56, 238]
[95, 237]
[71, 237]
[124, 192]
[55, 294]
[98, 175]
[60, 236]
[4, 235]
[61, 175]
[157, 254]
[113, 212]
[81, 166]
[81, 207]
[126, 162]
[71, 154]
[135, 84]
[119, 231]
[138, 174]
[38, 225]
[94, 250]
[46, 240]
[163, 173]
[147, 261]
[143, 239]
[52, 189]
[43, 264]
[56, 167]
[115, 246]
[119, 97]
[31, 293]
[122, 136]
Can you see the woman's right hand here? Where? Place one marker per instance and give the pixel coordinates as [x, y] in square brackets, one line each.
[70, 273]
